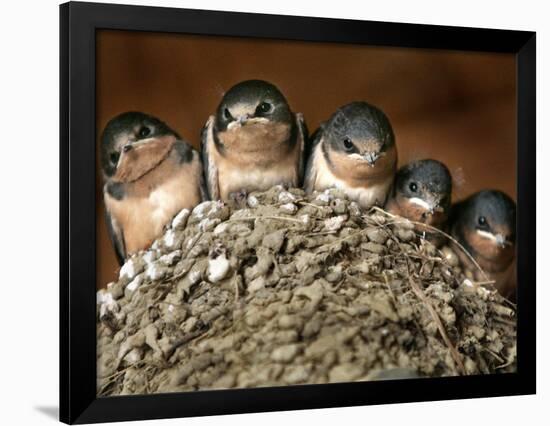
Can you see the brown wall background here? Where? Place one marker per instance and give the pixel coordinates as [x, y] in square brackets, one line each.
[457, 107]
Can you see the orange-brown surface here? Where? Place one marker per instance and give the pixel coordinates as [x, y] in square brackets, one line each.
[457, 107]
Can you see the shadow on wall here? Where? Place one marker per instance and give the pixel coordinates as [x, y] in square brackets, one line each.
[457, 107]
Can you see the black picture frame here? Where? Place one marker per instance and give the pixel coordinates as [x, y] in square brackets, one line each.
[78, 25]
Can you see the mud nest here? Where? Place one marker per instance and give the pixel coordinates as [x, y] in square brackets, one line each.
[289, 288]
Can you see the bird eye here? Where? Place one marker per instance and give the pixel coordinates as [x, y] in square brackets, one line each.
[226, 114]
[413, 186]
[264, 108]
[114, 157]
[144, 131]
[348, 144]
[482, 220]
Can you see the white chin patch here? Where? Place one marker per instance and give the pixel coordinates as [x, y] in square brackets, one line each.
[497, 239]
[357, 157]
[420, 202]
[257, 120]
[487, 235]
[234, 125]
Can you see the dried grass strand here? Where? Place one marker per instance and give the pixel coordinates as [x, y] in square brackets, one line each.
[434, 229]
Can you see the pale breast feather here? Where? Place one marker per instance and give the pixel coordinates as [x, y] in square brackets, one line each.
[153, 201]
[234, 179]
[365, 196]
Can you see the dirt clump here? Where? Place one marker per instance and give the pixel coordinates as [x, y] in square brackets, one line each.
[290, 288]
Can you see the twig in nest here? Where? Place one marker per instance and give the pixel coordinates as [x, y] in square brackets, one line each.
[184, 339]
[305, 203]
[288, 219]
[316, 234]
[236, 285]
[434, 229]
[506, 364]
[481, 283]
[194, 241]
[454, 352]
[505, 321]
[110, 379]
[509, 302]
[389, 287]
[494, 354]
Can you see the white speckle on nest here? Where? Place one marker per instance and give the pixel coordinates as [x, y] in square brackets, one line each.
[217, 268]
[135, 355]
[135, 283]
[324, 197]
[286, 197]
[194, 276]
[467, 283]
[128, 269]
[107, 303]
[170, 238]
[252, 201]
[170, 308]
[289, 208]
[208, 224]
[305, 219]
[483, 291]
[101, 296]
[334, 223]
[150, 256]
[221, 228]
[170, 258]
[154, 271]
[181, 219]
[207, 208]
[200, 209]
[155, 245]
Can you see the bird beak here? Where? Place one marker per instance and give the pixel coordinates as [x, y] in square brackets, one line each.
[240, 121]
[133, 144]
[371, 158]
[500, 240]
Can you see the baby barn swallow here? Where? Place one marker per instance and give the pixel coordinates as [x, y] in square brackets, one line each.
[149, 175]
[253, 142]
[422, 193]
[354, 151]
[485, 225]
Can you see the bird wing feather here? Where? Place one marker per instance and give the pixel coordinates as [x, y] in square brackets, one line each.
[210, 170]
[311, 169]
[302, 136]
[117, 237]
